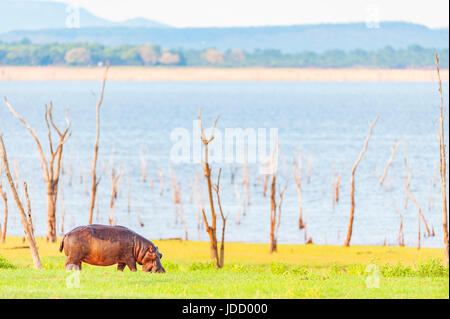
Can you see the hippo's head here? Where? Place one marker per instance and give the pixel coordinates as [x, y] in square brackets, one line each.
[152, 260]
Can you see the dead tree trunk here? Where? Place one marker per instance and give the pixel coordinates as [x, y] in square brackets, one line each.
[352, 184]
[178, 203]
[245, 179]
[224, 222]
[266, 177]
[273, 216]
[279, 214]
[273, 203]
[443, 166]
[239, 203]
[297, 173]
[394, 150]
[407, 181]
[176, 195]
[23, 216]
[308, 169]
[5, 201]
[29, 216]
[52, 166]
[95, 182]
[211, 229]
[161, 182]
[114, 179]
[410, 194]
[144, 165]
[401, 236]
[337, 185]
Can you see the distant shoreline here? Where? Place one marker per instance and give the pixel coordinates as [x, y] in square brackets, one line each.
[135, 73]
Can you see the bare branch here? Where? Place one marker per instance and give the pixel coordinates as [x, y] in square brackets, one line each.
[33, 134]
[352, 182]
[394, 150]
[95, 182]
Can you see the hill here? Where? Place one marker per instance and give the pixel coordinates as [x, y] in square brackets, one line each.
[38, 15]
[318, 38]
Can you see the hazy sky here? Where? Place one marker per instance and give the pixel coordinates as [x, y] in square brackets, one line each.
[202, 13]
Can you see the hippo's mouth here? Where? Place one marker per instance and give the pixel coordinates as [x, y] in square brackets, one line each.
[154, 268]
[158, 270]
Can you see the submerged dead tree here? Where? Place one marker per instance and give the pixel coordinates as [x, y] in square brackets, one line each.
[23, 216]
[176, 195]
[245, 179]
[161, 182]
[407, 175]
[210, 229]
[443, 165]
[115, 177]
[96, 181]
[297, 173]
[144, 165]
[178, 203]
[265, 179]
[352, 184]
[308, 169]
[239, 203]
[410, 195]
[337, 185]
[52, 165]
[401, 235]
[5, 202]
[394, 150]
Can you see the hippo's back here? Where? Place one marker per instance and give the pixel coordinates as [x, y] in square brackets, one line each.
[111, 233]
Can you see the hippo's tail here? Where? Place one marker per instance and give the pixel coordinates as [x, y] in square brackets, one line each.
[61, 246]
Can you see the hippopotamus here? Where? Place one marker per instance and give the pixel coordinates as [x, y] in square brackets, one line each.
[103, 245]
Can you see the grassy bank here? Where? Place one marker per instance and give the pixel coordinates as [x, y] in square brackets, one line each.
[132, 73]
[295, 271]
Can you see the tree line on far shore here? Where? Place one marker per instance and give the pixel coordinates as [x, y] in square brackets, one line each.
[25, 53]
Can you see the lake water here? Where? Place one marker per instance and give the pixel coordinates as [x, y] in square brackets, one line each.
[329, 121]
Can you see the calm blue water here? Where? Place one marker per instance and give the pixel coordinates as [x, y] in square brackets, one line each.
[329, 121]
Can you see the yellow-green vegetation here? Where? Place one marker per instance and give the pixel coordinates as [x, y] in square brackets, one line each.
[295, 271]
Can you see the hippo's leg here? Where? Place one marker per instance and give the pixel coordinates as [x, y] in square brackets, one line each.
[72, 263]
[121, 266]
[131, 263]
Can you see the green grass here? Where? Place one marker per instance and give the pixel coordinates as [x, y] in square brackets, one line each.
[296, 271]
